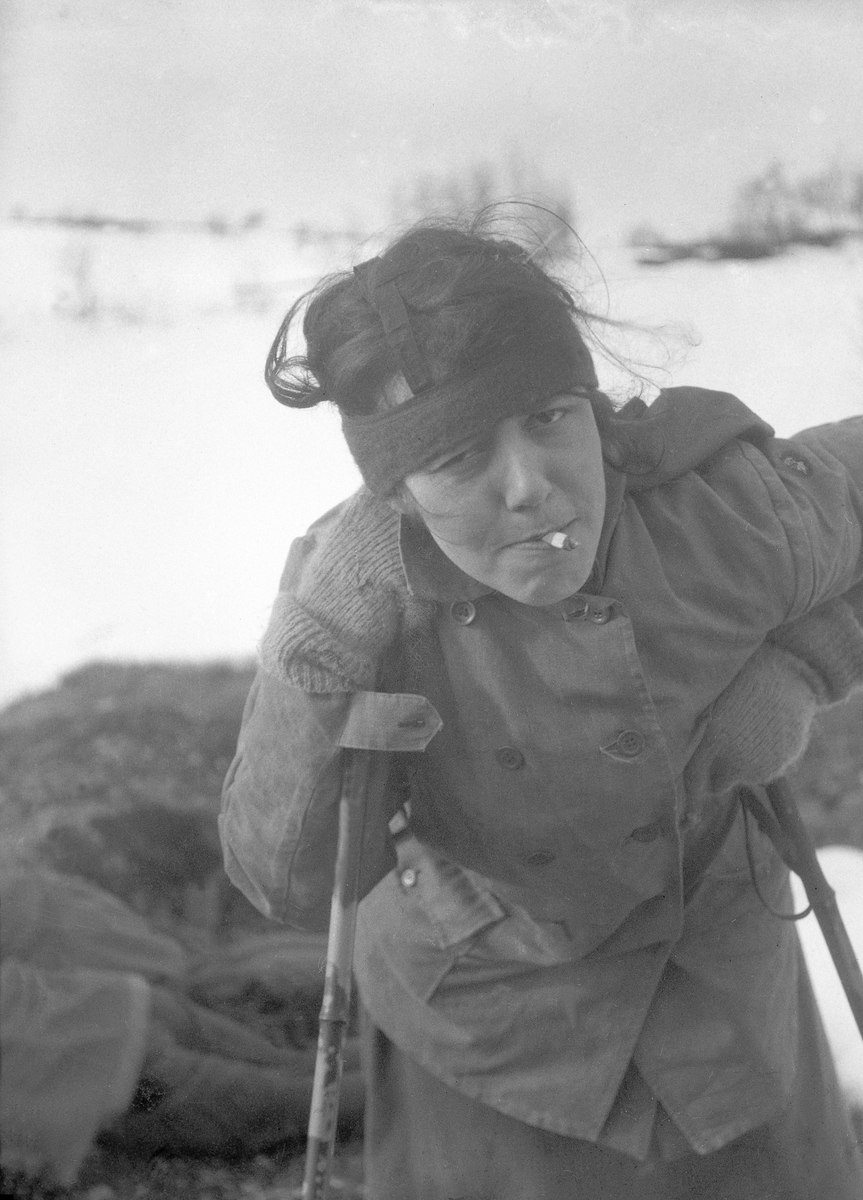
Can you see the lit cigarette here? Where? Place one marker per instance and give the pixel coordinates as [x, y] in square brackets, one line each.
[560, 541]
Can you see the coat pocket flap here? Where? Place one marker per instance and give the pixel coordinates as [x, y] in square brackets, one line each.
[455, 902]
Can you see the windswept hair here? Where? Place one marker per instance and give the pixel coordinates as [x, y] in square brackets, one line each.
[472, 297]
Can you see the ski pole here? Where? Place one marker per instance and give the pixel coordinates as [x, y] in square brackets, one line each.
[800, 856]
[335, 1008]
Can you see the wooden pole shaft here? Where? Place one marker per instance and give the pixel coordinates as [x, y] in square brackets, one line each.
[335, 1009]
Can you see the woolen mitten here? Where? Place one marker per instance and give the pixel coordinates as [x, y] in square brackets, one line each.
[343, 603]
[757, 727]
[828, 646]
[760, 725]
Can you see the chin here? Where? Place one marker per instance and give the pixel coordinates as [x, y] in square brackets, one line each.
[540, 594]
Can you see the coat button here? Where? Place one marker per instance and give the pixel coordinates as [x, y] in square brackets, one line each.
[796, 464]
[539, 858]
[462, 611]
[629, 743]
[510, 758]
[408, 877]
[644, 833]
[601, 616]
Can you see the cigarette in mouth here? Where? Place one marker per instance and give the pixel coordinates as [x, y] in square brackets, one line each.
[560, 541]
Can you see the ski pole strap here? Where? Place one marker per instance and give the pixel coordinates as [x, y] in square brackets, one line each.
[752, 804]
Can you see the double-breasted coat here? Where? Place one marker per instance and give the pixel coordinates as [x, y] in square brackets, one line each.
[557, 908]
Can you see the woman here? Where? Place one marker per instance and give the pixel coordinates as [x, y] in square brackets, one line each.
[571, 986]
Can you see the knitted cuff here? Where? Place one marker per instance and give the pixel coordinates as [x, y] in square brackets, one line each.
[299, 650]
[828, 646]
[359, 549]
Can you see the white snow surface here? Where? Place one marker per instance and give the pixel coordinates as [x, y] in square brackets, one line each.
[150, 486]
[843, 868]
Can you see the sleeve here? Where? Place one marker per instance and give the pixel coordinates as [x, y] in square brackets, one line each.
[815, 484]
[279, 818]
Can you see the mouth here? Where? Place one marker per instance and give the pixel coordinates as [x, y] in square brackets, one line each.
[542, 534]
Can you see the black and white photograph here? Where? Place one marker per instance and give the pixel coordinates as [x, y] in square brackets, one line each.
[431, 600]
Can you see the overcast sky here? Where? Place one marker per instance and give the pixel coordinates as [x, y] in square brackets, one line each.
[314, 109]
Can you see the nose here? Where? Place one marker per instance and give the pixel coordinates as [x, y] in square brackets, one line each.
[521, 470]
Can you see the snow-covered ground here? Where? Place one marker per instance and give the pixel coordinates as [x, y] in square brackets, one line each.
[843, 868]
[150, 485]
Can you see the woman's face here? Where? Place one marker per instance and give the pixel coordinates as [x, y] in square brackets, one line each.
[487, 503]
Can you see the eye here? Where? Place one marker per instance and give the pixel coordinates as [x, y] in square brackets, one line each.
[462, 459]
[548, 416]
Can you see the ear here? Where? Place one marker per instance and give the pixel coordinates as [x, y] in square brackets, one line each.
[397, 502]
[401, 499]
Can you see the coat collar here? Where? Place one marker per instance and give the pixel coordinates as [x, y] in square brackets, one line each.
[429, 573]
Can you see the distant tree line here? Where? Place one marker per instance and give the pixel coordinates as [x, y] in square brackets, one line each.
[827, 205]
[217, 224]
[770, 213]
[512, 188]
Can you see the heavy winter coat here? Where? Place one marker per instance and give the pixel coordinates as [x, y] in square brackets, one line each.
[561, 909]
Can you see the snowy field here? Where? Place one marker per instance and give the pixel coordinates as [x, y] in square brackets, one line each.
[150, 485]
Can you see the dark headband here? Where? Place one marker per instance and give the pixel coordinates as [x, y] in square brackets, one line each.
[377, 281]
[389, 445]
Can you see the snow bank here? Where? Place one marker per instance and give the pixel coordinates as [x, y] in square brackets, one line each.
[162, 275]
[843, 866]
